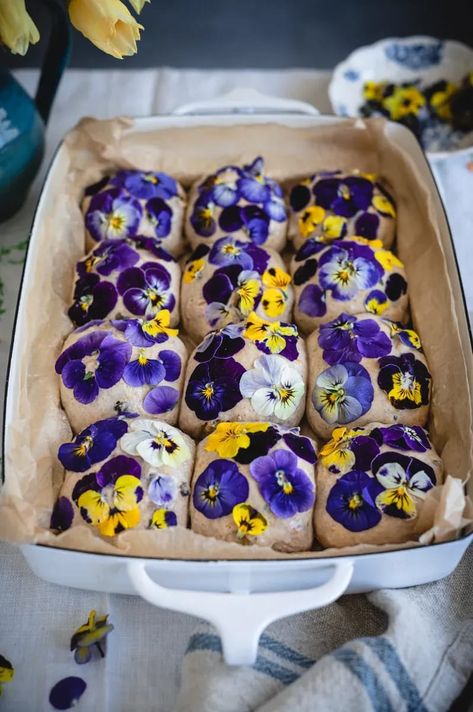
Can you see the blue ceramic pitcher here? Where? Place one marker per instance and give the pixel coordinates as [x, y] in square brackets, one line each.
[23, 121]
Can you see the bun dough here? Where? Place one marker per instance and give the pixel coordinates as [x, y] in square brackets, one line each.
[135, 203]
[335, 204]
[365, 369]
[107, 369]
[125, 474]
[227, 282]
[239, 201]
[253, 483]
[372, 483]
[252, 371]
[133, 277]
[348, 275]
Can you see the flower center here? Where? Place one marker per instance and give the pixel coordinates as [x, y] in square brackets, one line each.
[150, 178]
[154, 297]
[208, 391]
[231, 250]
[116, 222]
[345, 273]
[406, 380]
[337, 394]
[344, 192]
[85, 302]
[284, 393]
[206, 213]
[283, 482]
[91, 363]
[107, 494]
[355, 501]
[211, 492]
[142, 360]
[161, 439]
[82, 449]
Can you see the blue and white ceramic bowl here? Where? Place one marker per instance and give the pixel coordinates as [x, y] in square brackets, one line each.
[417, 61]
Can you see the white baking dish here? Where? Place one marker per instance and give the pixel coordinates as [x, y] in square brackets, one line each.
[242, 597]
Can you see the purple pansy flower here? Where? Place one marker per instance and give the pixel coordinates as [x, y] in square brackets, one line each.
[312, 301]
[404, 437]
[92, 445]
[347, 267]
[405, 380]
[367, 225]
[365, 449]
[344, 196]
[137, 333]
[159, 214]
[308, 249]
[93, 299]
[223, 343]
[253, 190]
[352, 501]
[153, 245]
[275, 208]
[402, 478]
[161, 400]
[162, 490]
[256, 170]
[305, 272]
[213, 388]
[301, 446]
[148, 371]
[111, 214]
[223, 193]
[221, 284]
[299, 197]
[219, 488]
[347, 338]
[343, 393]
[261, 443]
[146, 184]
[251, 219]
[62, 515]
[203, 216]
[286, 488]
[376, 302]
[230, 251]
[146, 288]
[109, 256]
[95, 361]
[395, 287]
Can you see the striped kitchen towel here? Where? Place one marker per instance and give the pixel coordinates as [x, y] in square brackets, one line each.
[408, 650]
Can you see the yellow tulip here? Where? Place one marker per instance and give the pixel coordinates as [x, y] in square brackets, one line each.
[108, 24]
[17, 29]
[138, 5]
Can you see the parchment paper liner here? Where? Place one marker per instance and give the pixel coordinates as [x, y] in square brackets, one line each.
[33, 475]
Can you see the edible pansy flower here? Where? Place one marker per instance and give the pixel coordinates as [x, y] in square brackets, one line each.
[162, 490]
[344, 196]
[159, 216]
[248, 289]
[157, 443]
[276, 277]
[62, 515]
[93, 299]
[395, 286]
[213, 387]
[343, 393]
[251, 219]
[405, 380]
[300, 445]
[145, 333]
[146, 289]
[384, 203]
[305, 271]
[228, 438]
[223, 191]
[401, 100]
[273, 301]
[334, 227]
[146, 184]
[308, 249]
[219, 314]
[91, 634]
[409, 337]
[272, 337]
[273, 386]
[229, 250]
[310, 219]
[352, 501]
[93, 362]
[367, 225]
[109, 256]
[151, 244]
[203, 216]
[256, 170]
[7, 672]
[300, 196]
[347, 338]
[112, 214]
[249, 522]
[376, 302]
[67, 692]
[92, 445]
[346, 268]
[286, 488]
[404, 437]
[162, 519]
[349, 449]
[147, 371]
[275, 208]
[192, 270]
[222, 343]
[219, 488]
[253, 188]
[313, 300]
[403, 479]
[388, 259]
[109, 499]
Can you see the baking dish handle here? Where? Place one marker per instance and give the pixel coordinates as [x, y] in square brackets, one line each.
[246, 101]
[241, 617]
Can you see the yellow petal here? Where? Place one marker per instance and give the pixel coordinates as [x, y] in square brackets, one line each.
[138, 5]
[17, 29]
[108, 24]
[119, 521]
[276, 277]
[388, 259]
[97, 510]
[273, 302]
[124, 493]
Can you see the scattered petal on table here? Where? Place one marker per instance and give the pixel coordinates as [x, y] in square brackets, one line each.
[67, 692]
[92, 633]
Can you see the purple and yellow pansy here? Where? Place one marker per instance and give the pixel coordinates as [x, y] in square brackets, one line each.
[90, 635]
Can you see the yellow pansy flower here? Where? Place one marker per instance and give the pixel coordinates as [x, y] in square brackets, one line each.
[114, 508]
[404, 101]
[273, 302]
[310, 219]
[160, 324]
[248, 290]
[192, 270]
[276, 277]
[407, 336]
[376, 303]
[91, 633]
[405, 388]
[108, 24]
[337, 453]
[440, 101]
[248, 521]
[17, 29]
[271, 332]
[333, 226]
[228, 438]
[162, 519]
[383, 205]
[388, 259]
[7, 672]
[373, 91]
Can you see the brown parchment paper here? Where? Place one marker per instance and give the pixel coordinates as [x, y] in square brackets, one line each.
[38, 425]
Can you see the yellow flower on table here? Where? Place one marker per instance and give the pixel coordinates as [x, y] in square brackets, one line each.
[403, 101]
[248, 521]
[92, 633]
[228, 438]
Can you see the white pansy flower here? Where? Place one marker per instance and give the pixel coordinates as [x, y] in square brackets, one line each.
[156, 442]
[273, 386]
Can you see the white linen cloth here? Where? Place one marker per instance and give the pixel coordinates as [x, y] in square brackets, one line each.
[424, 653]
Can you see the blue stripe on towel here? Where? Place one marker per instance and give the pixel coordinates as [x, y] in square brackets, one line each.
[388, 655]
[285, 652]
[204, 641]
[366, 675]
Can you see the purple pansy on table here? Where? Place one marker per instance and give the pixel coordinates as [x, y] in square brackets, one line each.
[286, 488]
[344, 196]
[222, 343]
[146, 184]
[213, 387]
[92, 445]
[229, 251]
[403, 437]
[112, 214]
[93, 299]
[405, 380]
[67, 692]
[109, 256]
[151, 371]
[146, 289]
[352, 501]
[343, 393]
[94, 361]
[348, 338]
[219, 488]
